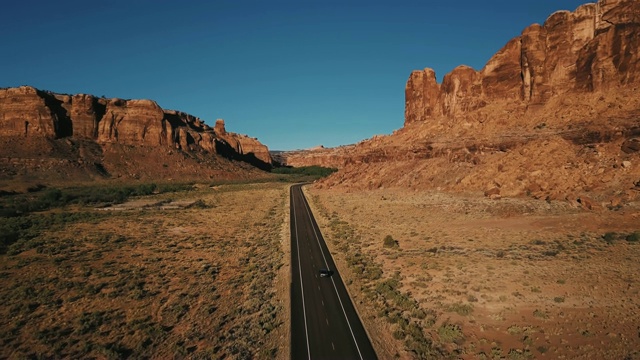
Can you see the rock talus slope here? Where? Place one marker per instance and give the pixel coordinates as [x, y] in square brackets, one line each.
[42, 130]
[553, 114]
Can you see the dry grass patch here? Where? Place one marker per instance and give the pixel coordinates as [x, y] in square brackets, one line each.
[185, 282]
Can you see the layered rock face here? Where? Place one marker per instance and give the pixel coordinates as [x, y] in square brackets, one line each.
[25, 112]
[29, 114]
[320, 156]
[243, 144]
[592, 49]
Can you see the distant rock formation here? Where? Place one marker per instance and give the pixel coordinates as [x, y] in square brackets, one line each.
[247, 147]
[28, 113]
[592, 49]
[318, 156]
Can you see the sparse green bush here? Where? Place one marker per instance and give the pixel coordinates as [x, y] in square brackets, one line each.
[609, 237]
[399, 334]
[633, 237]
[389, 242]
[51, 198]
[514, 330]
[316, 171]
[423, 348]
[540, 314]
[450, 333]
[515, 354]
[16, 233]
[461, 309]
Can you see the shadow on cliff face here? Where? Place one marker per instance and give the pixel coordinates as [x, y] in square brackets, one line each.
[100, 109]
[174, 120]
[227, 151]
[63, 126]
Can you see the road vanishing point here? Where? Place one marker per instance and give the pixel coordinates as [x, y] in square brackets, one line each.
[324, 323]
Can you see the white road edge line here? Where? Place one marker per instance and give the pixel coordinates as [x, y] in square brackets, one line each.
[332, 281]
[304, 311]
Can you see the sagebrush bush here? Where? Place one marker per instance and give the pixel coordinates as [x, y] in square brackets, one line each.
[609, 237]
[389, 242]
[633, 237]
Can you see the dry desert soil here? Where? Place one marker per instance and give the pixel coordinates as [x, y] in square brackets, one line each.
[462, 276]
[204, 273]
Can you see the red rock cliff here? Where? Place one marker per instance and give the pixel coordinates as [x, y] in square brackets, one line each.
[27, 112]
[591, 49]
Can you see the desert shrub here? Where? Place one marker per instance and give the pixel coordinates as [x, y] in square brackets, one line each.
[199, 204]
[91, 321]
[419, 314]
[633, 237]
[516, 354]
[165, 188]
[17, 234]
[461, 309]
[316, 171]
[51, 198]
[399, 334]
[14, 229]
[540, 314]
[387, 286]
[515, 330]
[450, 333]
[8, 212]
[414, 330]
[389, 242]
[609, 237]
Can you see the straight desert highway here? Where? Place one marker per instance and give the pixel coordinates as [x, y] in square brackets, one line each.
[324, 323]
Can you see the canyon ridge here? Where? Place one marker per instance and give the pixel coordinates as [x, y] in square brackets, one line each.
[45, 135]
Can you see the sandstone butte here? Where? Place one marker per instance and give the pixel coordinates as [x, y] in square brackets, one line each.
[554, 114]
[42, 133]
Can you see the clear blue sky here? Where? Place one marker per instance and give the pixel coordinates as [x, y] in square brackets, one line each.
[294, 74]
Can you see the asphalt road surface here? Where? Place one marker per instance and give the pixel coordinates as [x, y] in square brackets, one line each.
[324, 324]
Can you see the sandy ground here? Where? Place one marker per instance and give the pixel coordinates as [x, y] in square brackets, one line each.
[473, 278]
